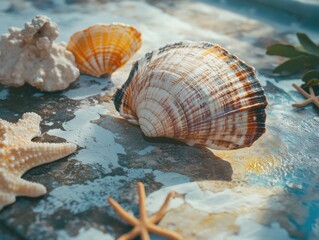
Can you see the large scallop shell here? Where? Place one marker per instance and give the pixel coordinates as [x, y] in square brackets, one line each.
[103, 48]
[197, 93]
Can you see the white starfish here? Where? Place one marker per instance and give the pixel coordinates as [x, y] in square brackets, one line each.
[18, 154]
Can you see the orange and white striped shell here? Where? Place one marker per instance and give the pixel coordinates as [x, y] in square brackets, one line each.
[103, 48]
[197, 93]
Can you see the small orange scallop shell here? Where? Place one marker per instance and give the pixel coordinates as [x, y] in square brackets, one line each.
[197, 93]
[103, 48]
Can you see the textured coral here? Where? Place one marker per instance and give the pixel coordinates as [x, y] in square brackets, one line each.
[18, 154]
[31, 55]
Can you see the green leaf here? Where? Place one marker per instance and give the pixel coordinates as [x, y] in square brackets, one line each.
[312, 83]
[308, 76]
[296, 64]
[308, 45]
[284, 50]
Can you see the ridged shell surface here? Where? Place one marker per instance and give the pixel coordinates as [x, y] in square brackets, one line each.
[195, 92]
[103, 48]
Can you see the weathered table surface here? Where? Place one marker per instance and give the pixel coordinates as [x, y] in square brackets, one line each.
[267, 191]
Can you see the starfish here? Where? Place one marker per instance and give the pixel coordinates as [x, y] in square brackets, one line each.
[144, 224]
[311, 98]
[18, 154]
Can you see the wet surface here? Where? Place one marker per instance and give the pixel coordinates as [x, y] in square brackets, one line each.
[271, 187]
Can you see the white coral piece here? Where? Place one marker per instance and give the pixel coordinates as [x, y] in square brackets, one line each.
[31, 55]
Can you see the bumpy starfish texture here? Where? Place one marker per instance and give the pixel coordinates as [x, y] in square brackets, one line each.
[18, 154]
[144, 225]
[311, 98]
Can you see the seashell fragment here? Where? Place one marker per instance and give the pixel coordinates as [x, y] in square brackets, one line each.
[197, 93]
[103, 48]
[30, 55]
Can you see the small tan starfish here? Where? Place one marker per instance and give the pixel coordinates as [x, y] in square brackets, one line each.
[144, 225]
[311, 98]
[18, 154]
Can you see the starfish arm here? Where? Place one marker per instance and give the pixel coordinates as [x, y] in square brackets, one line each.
[144, 234]
[302, 104]
[31, 123]
[158, 216]
[142, 197]
[131, 234]
[30, 189]
[164, 232]
[6, 199]
[13, 184]
[316, 101]
[3, 135]
[34, 154]
[25, 129]
[314, 97]
[125, 215]
[299, 89]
